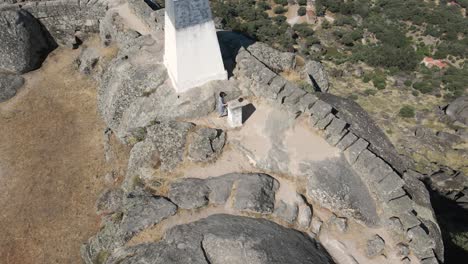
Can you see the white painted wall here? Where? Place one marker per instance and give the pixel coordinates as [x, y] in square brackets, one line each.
[192, 55]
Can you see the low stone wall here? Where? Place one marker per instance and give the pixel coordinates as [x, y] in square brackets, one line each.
[409, 218]
[63, 18]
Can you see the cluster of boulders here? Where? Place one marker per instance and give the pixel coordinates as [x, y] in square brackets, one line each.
[403, 197]
[243, 212]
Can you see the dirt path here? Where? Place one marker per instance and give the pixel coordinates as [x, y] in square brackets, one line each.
[51, 165]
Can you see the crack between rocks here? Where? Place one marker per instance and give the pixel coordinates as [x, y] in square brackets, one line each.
[205, 255]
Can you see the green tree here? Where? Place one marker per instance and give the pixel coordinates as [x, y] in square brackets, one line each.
[279, 9]
[301, 11]
[406, 112]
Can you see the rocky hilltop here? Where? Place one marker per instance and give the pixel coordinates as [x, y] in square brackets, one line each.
[309, 178]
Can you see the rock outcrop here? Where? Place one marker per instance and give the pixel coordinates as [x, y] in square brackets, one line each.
[24, 42]
[458, 110]
[205, 241]
[9, 85]
[357, 176]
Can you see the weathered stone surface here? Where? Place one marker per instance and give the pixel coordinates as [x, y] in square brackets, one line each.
[144, 160]
[316, 224]
[110, 201]
[221, 188]
[339, 223]
[226, 239]
[306, 102]
[256, 193]
[24, 43]
[402, 204]
[336, 127]
[375, 246]
[113, 29]
[394, 224]
[389, 184]
[317, 76]
[324, 122]
[346, 141]
[353, 151]
[123, 82]
[458, 109]
[337, 186]
[408, 220]
[402, 250]
[362, 125]
[142, 210]
[189, 193]
[88, 60]
[320, 110]
[304, 217]
[169, 138]
[287, 212]
[277, 85]
[206, 144]
[9, 85]
[431, 260]
[274, 59]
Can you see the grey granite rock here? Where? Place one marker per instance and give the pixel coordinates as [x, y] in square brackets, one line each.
[274, 59]
[458, 109]
[346, 141]
[317, 76]
[110, 201]
[352, 152]
[9, 85]
[24, 42]
[88, 60]
[169, 138]
[402, 204]
[402, 250]
[189, 193]
[285, 211]
[362, 125]
[221, 188]
[142, 210]
[389, 184]
[324, 122]
[340, 223]
[255, 193]
[206, 144]
[320, 110]
[375, 246]
[226, 239]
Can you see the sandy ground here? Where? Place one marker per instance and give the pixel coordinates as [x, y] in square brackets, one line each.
[51, 165]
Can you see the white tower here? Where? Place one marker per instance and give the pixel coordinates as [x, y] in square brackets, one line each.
[192, 55]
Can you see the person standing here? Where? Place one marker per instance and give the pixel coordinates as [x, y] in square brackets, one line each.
[221, 105]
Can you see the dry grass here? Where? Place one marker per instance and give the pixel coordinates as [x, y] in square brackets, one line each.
[51, 165]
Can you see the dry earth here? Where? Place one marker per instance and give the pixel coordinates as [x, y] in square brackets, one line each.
[51, 165]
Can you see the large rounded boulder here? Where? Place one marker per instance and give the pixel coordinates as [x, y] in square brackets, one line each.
[24, 42]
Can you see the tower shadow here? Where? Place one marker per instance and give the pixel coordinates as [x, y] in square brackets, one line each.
[452, 219]
[230, 43]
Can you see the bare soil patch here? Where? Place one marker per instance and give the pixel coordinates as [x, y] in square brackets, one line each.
[52, 165]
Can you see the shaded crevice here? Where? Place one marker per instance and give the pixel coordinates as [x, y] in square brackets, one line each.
[205, 255]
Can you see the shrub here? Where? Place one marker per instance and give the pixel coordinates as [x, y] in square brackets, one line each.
[406, 112]
[423, 87]
[280, 19]
[415, 93]
[326, 24]
[366, 78]
[370, 92]
[408, 83]
[302, 2]
[279, 10]
[263, 5]
[281, 2]
[353, 97]
[379, 81]
[301, 11]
